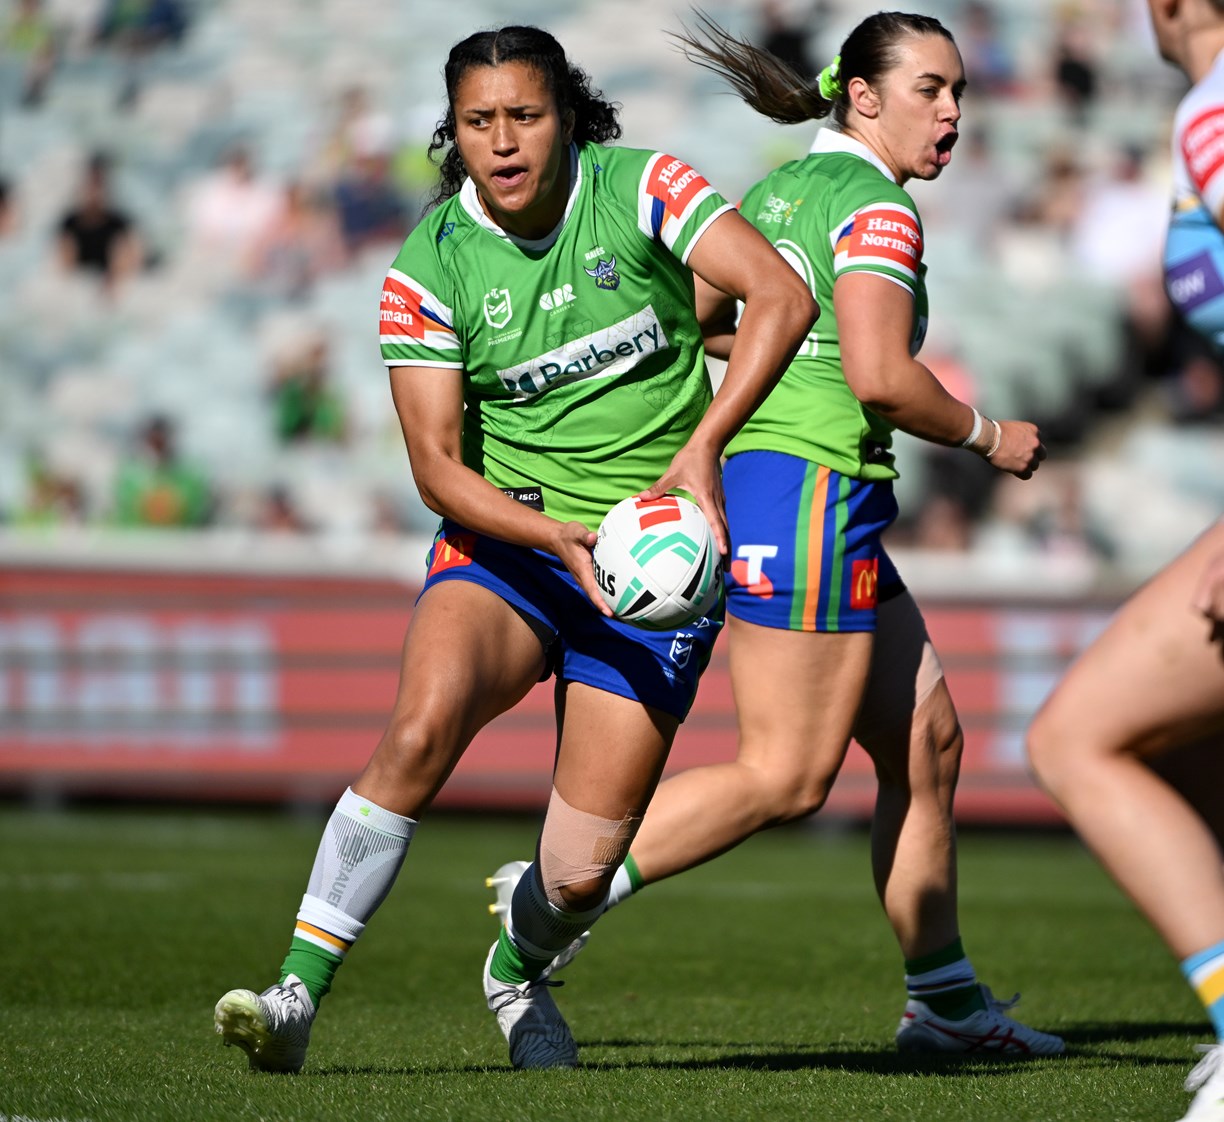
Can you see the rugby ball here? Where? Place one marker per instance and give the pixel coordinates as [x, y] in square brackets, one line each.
[656, 563]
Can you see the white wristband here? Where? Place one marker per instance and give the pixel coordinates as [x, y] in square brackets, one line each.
[975, 432]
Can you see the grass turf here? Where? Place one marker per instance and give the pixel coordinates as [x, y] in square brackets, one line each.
[765, 985]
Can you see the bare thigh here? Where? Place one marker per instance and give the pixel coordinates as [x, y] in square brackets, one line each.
[468, 656]
[797, 694]
[1154, 679]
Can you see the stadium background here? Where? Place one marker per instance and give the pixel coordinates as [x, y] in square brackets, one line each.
[209, 537]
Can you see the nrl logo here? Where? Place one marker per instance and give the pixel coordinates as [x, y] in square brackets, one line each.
[605, 274]
[497, 310]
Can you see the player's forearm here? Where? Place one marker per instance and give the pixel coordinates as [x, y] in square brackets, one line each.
[455, 491]
[909, 396]
[769, 335]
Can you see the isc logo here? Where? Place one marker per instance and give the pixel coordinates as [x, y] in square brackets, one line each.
[557, 298]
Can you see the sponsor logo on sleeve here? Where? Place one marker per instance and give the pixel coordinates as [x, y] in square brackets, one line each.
[399, 313]
[1193, 282]
[883, 235]
[1202, 146]
[410, 314]
[676, 188]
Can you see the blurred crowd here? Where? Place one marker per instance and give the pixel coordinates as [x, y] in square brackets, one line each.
[198, 199]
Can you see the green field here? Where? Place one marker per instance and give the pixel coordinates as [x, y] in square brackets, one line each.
[763, 986]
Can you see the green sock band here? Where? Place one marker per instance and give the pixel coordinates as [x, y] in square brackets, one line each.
[945, 956]
[313, 965]
[635, 876]
[511, 965]
[953, 1004]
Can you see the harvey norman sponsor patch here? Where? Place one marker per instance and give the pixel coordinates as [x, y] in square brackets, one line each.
[611, 350]
[1202, 145]
[883, 235]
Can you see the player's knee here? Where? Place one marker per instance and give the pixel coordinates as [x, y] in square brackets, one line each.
[580, 852]
[412, 745]
[793, 797]
[1042, 746]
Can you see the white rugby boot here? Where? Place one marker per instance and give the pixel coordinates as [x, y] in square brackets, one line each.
[530, 1021]
[272, 1028]
[988, 1031]
[1206, 1079]
[503, 882]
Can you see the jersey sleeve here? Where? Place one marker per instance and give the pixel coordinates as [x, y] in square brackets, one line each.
[676, 204]
[1202, 149]
[882, 237]
[416, 328]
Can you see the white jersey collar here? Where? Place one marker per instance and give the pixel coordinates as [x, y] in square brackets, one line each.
[829, 139]
[471, 203]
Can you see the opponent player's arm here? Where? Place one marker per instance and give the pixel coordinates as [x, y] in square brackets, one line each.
[875, 320]
[734, 258]
[429, 403]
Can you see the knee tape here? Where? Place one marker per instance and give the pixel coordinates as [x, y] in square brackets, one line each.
[576, 846]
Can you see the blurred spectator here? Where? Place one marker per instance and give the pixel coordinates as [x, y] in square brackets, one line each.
[784, 34]
[134, 28]
[230, 210]
[279, 513]
[977, 194]
[301, 243]
[1121, 201]
[989, 67]
[9, 220]
[357, 126]
[52, 498]
[1056, 200]
[95, 236]
[156, 487]
[1075, 69]
[29, 37]
[943, 525]
[373, 211]
[307, 407]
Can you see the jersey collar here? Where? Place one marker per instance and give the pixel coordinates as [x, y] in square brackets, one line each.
[471, 203]
[830, 140]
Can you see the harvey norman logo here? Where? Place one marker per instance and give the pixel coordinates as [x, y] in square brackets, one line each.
[601, 354]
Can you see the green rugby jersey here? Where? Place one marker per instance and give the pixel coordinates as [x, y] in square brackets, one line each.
[837, 210]
[583, 367]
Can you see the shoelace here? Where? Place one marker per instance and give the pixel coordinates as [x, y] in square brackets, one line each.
[522, 991]
[999, 1006]
[1213, 1057]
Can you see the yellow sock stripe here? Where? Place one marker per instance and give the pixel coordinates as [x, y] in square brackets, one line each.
[1211, 987]
[314, 934]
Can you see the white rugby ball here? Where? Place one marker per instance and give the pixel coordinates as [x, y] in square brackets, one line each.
[656, 562]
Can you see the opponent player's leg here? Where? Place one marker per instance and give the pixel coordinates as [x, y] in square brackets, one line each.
[1153, 680]
[610, 755]
[908, 725]
[467, 657]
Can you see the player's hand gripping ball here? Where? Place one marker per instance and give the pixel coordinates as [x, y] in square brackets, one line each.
[656, 562]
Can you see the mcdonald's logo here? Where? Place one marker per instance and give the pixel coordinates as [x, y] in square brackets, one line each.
[864, 583]
[451, 552]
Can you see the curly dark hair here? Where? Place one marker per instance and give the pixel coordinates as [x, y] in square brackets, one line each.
[594, 118]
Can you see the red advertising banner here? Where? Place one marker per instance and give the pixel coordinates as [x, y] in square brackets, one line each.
[217, 686]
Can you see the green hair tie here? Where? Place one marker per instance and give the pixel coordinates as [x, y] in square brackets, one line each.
[830, 83]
